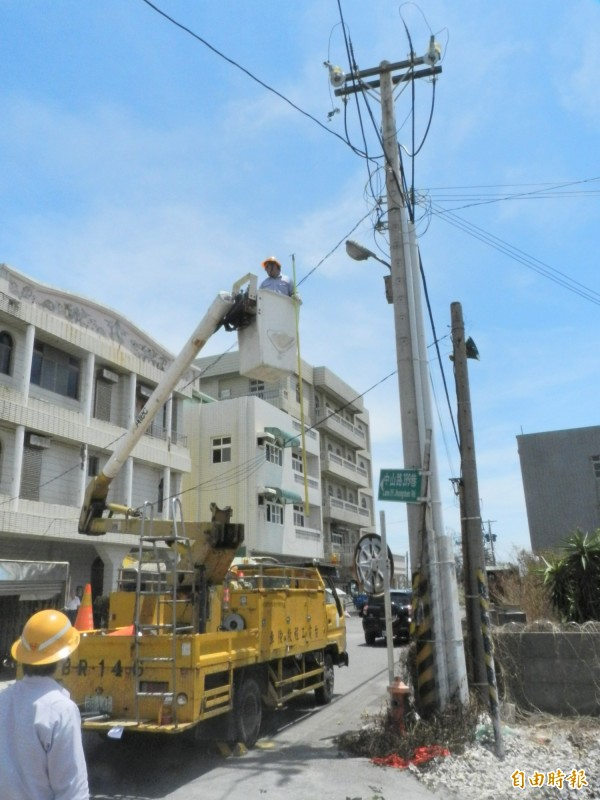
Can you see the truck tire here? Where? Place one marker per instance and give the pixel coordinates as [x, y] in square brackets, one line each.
[370, 639]
[324, 694]
[247, 713]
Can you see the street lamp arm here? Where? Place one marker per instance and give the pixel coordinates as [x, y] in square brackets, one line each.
[360, 253]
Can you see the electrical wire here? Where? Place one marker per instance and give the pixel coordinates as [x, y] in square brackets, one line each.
[518, 255]
[251, 75]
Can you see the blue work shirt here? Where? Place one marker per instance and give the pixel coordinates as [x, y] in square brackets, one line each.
[281, 284]
[41, 752]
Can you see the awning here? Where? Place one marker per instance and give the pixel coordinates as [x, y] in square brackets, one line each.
[284, 439]
[44, 579]
[283, 495]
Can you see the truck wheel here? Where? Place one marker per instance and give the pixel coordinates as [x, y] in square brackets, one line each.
[324, 694]
[370, 639]
[247, 713]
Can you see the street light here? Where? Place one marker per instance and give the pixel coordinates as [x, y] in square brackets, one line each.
[360, 253]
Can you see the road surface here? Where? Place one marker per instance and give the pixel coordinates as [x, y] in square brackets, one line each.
[296, 759]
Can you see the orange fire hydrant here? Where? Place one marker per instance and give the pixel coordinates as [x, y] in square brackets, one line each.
[399, 694]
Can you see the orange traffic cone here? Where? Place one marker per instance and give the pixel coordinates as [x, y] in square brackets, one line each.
[85, 615]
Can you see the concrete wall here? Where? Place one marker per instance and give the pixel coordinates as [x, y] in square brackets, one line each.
[556, 672]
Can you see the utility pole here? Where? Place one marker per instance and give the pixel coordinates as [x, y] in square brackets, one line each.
[483, 673]
[472, 533]
[430, 550]
[491, 538]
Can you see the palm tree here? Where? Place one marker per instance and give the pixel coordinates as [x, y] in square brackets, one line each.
[573, 577]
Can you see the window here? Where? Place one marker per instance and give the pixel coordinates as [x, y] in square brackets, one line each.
[161, 496]
[93, 467]
[103, 394]
[274, 454]
[55, 370]
[6, 348]
[257, 388]
[221, 449]
[596, 466]
[31, 472]
[299, 516]
[274, 513]
[297, 391]
[337, 539]
[297, 463]
[175, 412]
[142, 395]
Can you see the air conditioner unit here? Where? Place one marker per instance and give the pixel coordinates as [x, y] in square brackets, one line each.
[225, 394]
[144, 391]
[43, 442]
[265, 438]
[108, 375]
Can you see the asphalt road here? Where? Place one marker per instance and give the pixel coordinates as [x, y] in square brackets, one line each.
[296, 759]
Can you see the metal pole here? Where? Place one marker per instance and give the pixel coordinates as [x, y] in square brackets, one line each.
[442, 561]
[387, 600]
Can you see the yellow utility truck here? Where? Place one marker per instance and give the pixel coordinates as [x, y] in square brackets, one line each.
[194, 634]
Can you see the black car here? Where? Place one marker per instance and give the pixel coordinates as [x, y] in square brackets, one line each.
[373, 616]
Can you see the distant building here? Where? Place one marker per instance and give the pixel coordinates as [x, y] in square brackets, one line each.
[561, 481]
[73, 376]
[247, 455]
[334, 410]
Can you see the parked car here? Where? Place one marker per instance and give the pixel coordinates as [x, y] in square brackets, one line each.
[373, 616]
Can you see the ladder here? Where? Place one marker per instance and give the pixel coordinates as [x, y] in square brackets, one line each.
[161, 584]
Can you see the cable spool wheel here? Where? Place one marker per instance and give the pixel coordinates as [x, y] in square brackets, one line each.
[368, 566]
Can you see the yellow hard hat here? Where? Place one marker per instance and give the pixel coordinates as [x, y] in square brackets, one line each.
[270, 260]
[48, 636]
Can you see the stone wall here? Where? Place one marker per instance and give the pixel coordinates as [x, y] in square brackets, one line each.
[545, 668]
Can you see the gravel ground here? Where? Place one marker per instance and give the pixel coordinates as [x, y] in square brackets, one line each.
[538, 751]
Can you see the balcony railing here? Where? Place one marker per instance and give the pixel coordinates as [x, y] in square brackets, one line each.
[345, 468]
[342, 427]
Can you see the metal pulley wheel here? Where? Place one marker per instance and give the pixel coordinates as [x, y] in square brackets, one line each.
[368, 563]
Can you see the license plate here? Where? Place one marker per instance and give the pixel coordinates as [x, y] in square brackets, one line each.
[98, 704]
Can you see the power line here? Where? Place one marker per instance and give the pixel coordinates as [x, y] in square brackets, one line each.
[249, 74]
[520, 256]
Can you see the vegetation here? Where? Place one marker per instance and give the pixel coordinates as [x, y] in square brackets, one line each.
[524, 588]
[572, 578]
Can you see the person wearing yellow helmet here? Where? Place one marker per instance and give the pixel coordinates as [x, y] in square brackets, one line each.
[41, 749]
[275, 281]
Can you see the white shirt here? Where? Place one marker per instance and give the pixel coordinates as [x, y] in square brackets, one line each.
[41, 752]
[73, 603]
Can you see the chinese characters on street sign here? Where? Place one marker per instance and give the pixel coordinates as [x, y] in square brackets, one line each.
[401, 485]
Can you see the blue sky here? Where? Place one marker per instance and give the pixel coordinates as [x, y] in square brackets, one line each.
[143, 170]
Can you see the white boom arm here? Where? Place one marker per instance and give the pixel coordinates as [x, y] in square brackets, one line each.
[94, 503]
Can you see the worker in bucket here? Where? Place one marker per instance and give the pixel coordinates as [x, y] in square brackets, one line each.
[41, 750]
[276, 282]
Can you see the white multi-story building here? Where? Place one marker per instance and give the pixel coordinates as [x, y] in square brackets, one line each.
[248, 455]
[327, 405]
[73, 376]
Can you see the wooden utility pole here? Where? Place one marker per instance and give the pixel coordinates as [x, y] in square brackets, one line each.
[472, 535]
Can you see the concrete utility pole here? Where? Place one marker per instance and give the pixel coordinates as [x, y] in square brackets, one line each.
[426, 531]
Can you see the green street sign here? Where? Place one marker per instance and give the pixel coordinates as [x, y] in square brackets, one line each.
[401, 485]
